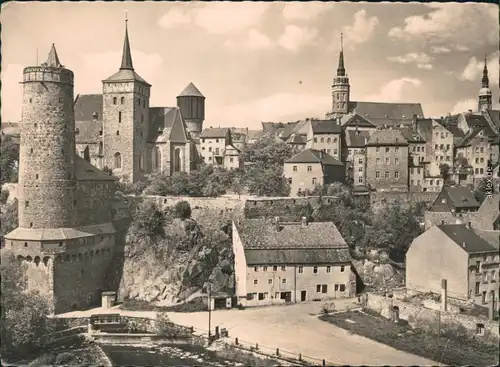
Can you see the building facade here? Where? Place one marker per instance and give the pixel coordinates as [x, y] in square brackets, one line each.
[467, 258]
[310, 168]
[271, 265]
[387, 161]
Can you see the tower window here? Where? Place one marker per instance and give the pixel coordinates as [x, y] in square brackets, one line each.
[26, 204]
[122, 100]
[36, 176]
[120, 116]
[36, 125]
[31, 100]
[142, 117]
[31, 150]
[144, 103]
[114, 100]
[117, 132]
[100, 132]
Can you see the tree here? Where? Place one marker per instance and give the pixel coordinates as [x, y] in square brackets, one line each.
[394, 228]
[149, 221]
[9, 217]
[267, 151]
[267, 181]
[445, 172]
[182, 210]
[25, 326]
[9, 160]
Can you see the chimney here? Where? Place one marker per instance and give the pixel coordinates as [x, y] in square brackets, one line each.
[444, 295]
[277, 223]
[463, 244]
[304, 221]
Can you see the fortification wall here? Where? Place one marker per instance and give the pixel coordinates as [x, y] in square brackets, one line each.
[94, 202]
[428, 318]
[292, 208]
[437, 218]
[379, 199]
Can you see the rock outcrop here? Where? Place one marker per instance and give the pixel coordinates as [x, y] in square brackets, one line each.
[170, 270]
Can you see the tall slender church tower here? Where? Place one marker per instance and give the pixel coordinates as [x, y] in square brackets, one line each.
[340, 87]
[484, 100]
[125, 119]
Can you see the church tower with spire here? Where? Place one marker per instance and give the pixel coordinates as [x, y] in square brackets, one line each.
[484, 99]
[340, 87]
[126, 119]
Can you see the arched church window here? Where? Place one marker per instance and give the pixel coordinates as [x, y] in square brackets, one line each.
[114, 100]
[118, 160]
[156, 158]
[120, 116]
[122, 100]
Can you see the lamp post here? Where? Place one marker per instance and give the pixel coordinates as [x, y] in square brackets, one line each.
[209, 310]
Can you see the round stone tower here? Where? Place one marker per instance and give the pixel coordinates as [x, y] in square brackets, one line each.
[47, 151]
[192, 106]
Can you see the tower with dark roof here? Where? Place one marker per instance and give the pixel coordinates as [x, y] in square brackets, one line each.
[126, 117]
[340, 87]
[484, 98]
[47, 151]
[192, 105]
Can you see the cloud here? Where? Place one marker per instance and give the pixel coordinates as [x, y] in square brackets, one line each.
[275, 107]
[226, 17]
[295, 37]
[361, 30]
[422, 60]
[440, 26]
[108, 63]
[174, 18]
[297, 11]
[394, 90]
[474, 69]
[12, 92]
[253, 40]
[440, 50]
[464, 106]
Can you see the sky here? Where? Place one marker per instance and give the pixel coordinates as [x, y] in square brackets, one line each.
[262, 61]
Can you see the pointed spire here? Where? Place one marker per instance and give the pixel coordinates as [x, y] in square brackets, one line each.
[127, 56]
[53, 59]
[341, 68]
[485, 80]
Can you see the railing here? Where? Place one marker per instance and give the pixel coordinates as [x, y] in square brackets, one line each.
[266, 351]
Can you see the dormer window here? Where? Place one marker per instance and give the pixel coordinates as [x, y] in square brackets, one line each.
[95, 115]
[77, 131]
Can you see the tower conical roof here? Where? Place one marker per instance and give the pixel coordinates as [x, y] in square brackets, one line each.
[127, 55]
[341, 68]
[485, 81]
[53, 59]
[191, 91]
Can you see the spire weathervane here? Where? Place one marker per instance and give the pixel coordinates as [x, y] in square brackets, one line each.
[341, 41]
[126, 17]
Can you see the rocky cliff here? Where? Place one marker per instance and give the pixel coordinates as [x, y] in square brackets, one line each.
[168, 269]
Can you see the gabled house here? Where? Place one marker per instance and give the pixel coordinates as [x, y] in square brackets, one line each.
[354, 121]
[454, 204]
[311, 167]
[467, 258]
[416, 157]
[324, 135]
[213, 142]
[280, 262]
[354, 152]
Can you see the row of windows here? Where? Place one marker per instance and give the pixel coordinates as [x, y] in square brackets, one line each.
[328, 140]
[217, 150]
[440, 158]
[328, 268]
[323, 288]
[442, 147]
[418, 148]
[84, 256]
[443, 135]
[388, 161]
[387, 174]
[387, 149]
[314, 181]
[412, 170]
[209, 140]
[431, 182]
[122, 101]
